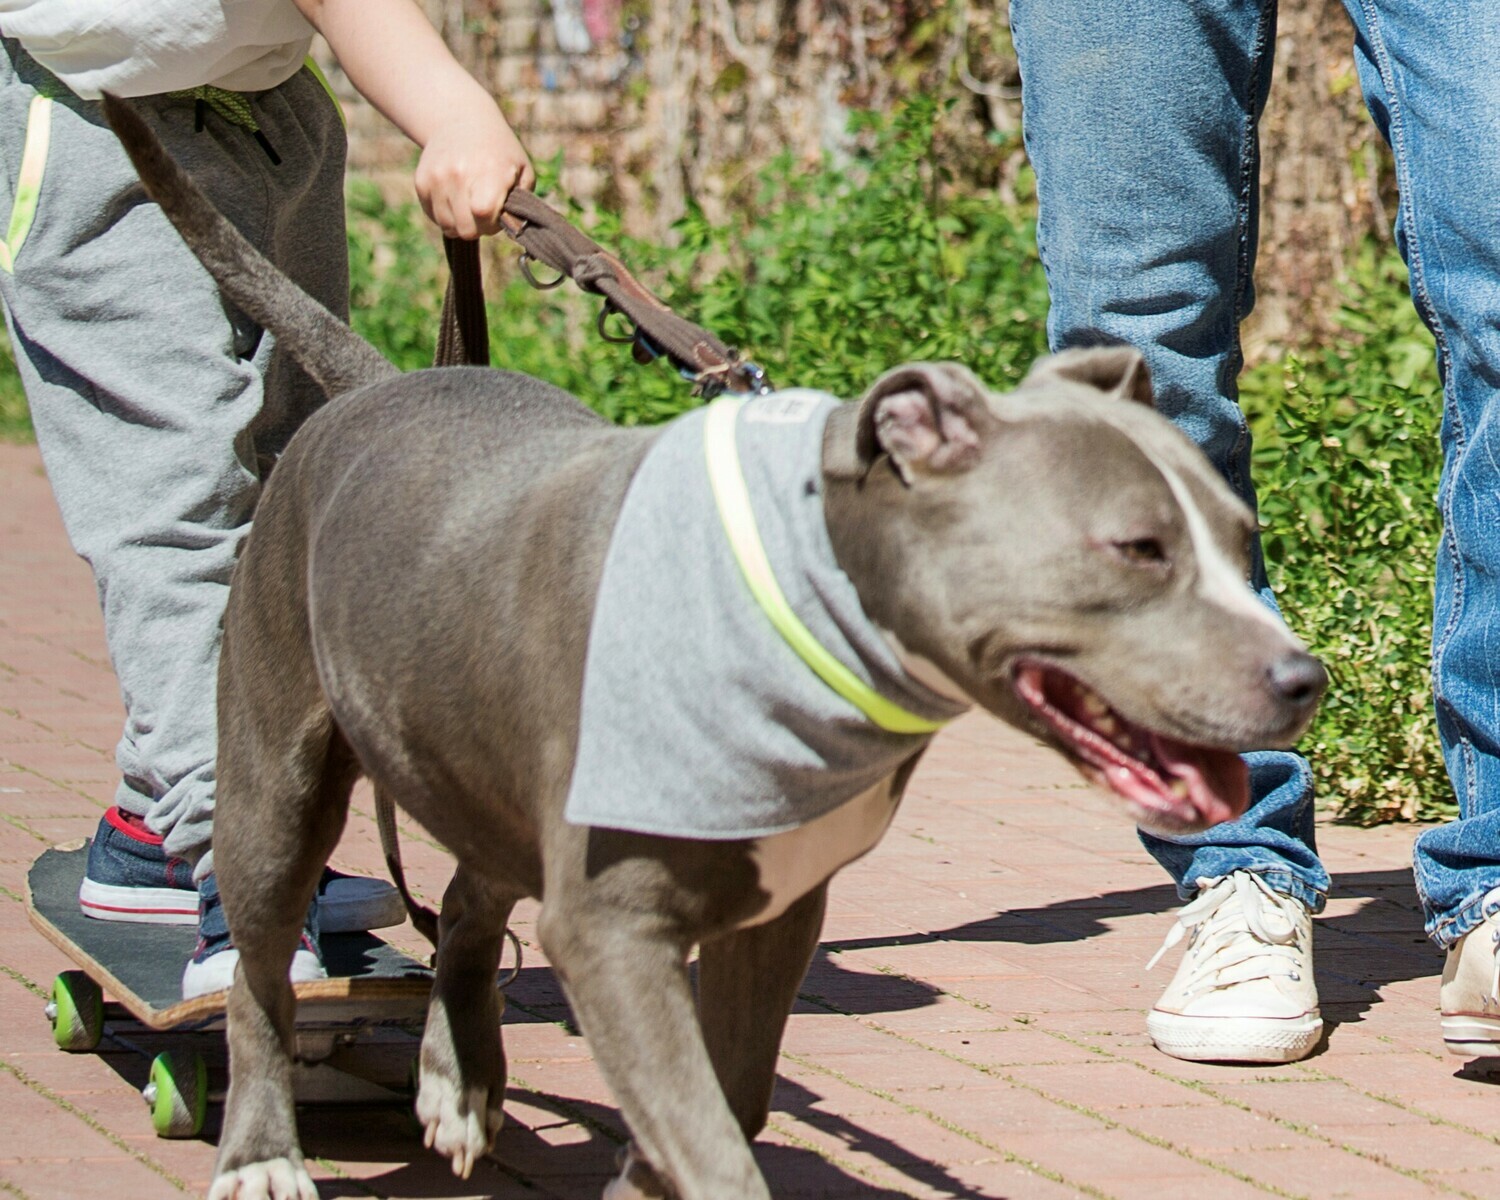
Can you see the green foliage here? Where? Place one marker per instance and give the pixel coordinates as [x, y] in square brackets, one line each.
[844, 272]
[852, 270]
[15, 417]
[396, 277]
[1346, 463]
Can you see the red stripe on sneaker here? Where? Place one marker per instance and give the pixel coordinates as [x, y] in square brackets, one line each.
[121, 908]
[138, 833]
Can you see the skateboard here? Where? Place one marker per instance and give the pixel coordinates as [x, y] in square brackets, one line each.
[357, 1031]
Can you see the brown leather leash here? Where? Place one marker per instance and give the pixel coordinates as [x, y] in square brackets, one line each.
[546, 236]
[464, 335]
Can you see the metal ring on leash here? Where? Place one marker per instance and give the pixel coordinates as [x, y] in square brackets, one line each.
[525, 263]
[506, 980]
[604, 314]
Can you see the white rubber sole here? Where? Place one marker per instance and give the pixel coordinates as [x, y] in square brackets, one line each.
[216, 973]
[1235, 1039]
[347, 908]
[139, 905]
[350, 906]
[1472, 1037]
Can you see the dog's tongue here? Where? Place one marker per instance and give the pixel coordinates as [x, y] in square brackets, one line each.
[1178, 783]
[1218, 781]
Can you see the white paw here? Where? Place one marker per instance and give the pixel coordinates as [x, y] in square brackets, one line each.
[277, 1179]
[636, 1180]
[622, 1188]
[460, 1126]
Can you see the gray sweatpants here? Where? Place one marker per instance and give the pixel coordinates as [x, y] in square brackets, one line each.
[158, 409]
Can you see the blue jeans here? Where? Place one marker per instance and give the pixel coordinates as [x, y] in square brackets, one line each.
[1140, 120]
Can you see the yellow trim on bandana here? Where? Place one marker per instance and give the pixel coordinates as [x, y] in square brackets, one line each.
[29, 182]
[732, 497]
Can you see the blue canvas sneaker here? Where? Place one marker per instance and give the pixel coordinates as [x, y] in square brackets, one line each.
[129, 877]
[211, 969]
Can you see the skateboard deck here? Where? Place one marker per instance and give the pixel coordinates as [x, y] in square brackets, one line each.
[370, 983]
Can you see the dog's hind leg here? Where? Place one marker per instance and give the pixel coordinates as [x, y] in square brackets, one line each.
[747, 984]
[626, 978]
[462, 1089]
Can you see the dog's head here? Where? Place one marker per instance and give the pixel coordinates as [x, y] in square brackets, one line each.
[1066, 558]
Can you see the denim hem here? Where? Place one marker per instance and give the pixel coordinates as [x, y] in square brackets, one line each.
[1280, 880]
[1446, 931]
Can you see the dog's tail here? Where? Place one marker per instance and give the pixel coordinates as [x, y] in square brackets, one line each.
[332, 353]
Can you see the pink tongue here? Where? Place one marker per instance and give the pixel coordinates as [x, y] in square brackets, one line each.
[1218, 780]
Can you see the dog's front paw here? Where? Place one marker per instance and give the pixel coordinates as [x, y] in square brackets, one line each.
[275, 1179]
[637, 1180]
[460, 1123]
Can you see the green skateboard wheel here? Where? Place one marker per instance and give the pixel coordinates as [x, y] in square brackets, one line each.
[76, 1012]
[177, 1094]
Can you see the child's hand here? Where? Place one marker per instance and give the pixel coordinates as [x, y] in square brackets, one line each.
[471, 159]
[466, 171]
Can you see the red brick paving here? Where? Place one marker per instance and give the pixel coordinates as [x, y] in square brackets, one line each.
[973, 1026]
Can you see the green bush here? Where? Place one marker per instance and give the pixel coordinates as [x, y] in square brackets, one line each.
[843, 273]
[15, 417]
[1346, 463]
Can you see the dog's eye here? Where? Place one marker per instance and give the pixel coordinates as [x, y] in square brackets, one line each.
[1141, 550]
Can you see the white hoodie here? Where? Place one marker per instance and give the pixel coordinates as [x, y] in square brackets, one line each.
[143, 47]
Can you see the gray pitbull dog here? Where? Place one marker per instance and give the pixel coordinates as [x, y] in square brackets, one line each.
[415, 604]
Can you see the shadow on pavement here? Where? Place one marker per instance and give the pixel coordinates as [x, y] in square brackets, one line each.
[583, 1165]
[1356, 953]
[535, 996]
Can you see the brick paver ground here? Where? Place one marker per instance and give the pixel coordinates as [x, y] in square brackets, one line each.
[972, 1026]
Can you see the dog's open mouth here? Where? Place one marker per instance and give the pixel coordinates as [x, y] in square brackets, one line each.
[1171, 783]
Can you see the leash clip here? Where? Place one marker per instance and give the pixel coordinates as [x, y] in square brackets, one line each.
[525, 265]
[606, 311]
[715, 381]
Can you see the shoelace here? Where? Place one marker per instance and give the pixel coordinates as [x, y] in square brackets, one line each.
[1237, 950]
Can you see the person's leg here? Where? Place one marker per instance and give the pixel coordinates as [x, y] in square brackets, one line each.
[143, 393]
[1140, 123]
[157, 412]
[1430, 75]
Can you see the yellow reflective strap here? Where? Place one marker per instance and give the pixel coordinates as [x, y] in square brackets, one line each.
[732, 498]
[317, 73]
[29, 182]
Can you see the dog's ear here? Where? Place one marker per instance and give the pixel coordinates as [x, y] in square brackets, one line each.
[1115, 370]
[928, 418]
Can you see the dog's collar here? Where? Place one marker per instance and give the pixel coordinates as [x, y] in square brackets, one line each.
[732, 499]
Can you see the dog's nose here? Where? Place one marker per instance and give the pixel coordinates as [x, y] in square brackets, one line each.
[1298, 679]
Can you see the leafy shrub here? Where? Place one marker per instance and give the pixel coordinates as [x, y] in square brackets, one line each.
[1346, 462]
[843, 273]
[15, 417]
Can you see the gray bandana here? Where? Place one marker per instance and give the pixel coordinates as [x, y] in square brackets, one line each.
[698, 719]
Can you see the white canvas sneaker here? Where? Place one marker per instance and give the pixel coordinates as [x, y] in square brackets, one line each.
[1470, 995]
[1244, 990]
